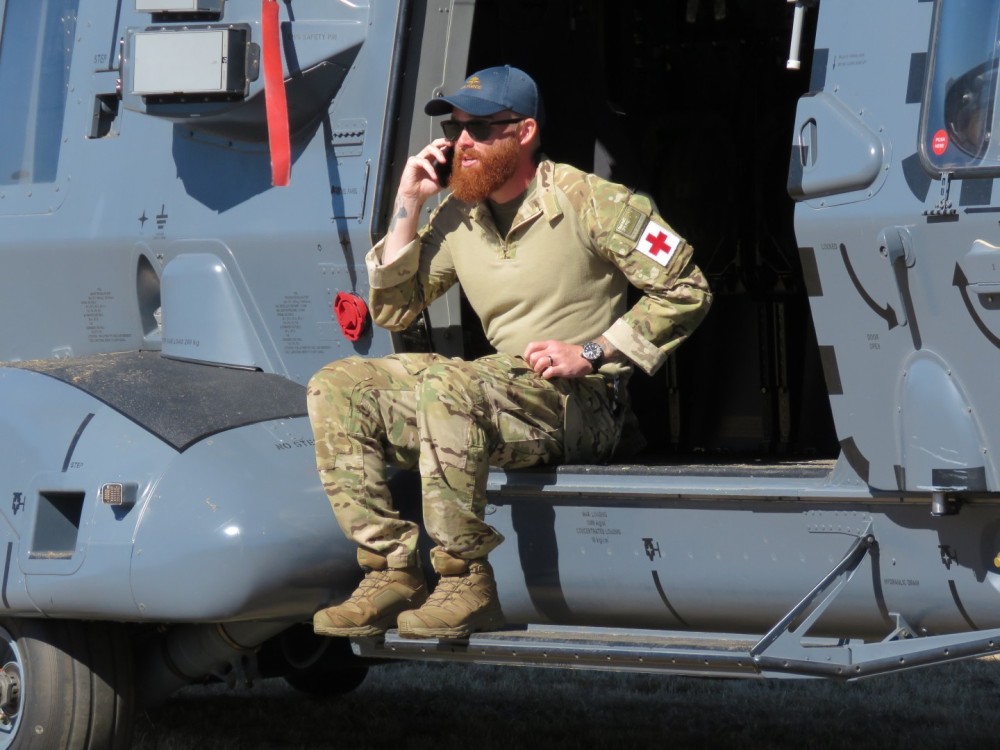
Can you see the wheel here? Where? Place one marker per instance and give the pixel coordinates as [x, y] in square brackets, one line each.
[327, 682]
[313, 664]
[64, 684]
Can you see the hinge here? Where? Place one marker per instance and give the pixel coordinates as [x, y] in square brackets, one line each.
[943, 207]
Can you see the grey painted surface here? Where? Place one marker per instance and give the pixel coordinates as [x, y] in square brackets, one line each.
[914, 346]
[162, 232]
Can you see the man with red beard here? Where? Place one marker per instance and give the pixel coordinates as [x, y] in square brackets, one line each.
[544, 254]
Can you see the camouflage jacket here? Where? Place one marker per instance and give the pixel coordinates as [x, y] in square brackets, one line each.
[561, 272]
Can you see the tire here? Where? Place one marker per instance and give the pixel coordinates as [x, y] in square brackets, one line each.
[65, 685]
[327, 683]
[313, 664]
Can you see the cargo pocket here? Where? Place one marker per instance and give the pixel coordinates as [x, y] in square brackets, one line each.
[525, 440]
[528, 420]
[590, 428]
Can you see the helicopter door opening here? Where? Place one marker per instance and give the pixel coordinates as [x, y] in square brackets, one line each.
[692, 106]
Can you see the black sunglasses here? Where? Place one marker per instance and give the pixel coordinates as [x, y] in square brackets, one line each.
[479, 130]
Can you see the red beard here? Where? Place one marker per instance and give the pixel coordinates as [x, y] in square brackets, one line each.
[494, 167]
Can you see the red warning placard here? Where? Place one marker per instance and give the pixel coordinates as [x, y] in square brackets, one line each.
[939, 143]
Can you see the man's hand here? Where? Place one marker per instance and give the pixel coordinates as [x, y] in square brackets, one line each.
[557, 359]
[418, 183]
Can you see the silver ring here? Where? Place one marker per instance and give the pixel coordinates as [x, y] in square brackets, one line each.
[552, 362]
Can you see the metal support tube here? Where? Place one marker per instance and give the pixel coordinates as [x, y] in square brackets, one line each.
[188, 653]
[844, 569]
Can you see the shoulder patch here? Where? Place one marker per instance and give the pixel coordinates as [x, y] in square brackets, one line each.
[658, 242]
[630, 222]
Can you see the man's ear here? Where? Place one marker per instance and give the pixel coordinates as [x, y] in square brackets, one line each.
[529, 130]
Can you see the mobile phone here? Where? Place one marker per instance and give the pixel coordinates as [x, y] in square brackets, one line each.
[444, 170]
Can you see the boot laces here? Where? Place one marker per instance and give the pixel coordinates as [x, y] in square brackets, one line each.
[447, 589]
[374, 579]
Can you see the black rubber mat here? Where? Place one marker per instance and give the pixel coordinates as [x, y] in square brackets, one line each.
[180, 402]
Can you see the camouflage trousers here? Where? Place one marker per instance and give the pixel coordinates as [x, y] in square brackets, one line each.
[452, 419]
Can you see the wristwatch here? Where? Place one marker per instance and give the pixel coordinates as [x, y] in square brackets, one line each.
[593, 353]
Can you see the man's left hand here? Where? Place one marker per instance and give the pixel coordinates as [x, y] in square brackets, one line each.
[557, 359]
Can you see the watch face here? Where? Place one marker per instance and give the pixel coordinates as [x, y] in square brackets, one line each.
[592, 351]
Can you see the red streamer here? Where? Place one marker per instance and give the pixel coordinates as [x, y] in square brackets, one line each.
[275, 101]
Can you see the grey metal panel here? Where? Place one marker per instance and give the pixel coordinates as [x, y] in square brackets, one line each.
[180, 186]
[258, 535]
[879, 314]
[841, 156]
[87, 305]
[937, 427]
[817, 480]
[72, 450]
[207, 319]
[194, 61]
[236, 526]
[681, 561]
[178, 6]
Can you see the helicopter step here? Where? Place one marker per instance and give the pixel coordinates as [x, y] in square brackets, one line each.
[786, 650]
[684, 653]
[571, 647]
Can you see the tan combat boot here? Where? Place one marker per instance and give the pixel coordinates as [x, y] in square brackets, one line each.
[465, 601]
[372, 609]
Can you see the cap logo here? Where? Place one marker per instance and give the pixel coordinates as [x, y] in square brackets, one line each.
[473, 83]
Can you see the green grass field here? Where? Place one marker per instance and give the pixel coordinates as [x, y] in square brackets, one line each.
[404, 706]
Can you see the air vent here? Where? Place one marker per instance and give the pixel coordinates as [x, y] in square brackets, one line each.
[57, 524]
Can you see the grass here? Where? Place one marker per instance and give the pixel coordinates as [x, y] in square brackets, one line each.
[474, 707]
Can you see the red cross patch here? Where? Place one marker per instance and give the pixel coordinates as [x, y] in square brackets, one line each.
[658, 243]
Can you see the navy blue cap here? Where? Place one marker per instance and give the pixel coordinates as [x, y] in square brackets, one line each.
[490, 91]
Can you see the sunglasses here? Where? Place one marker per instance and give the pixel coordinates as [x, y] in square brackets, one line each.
[478, 130]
